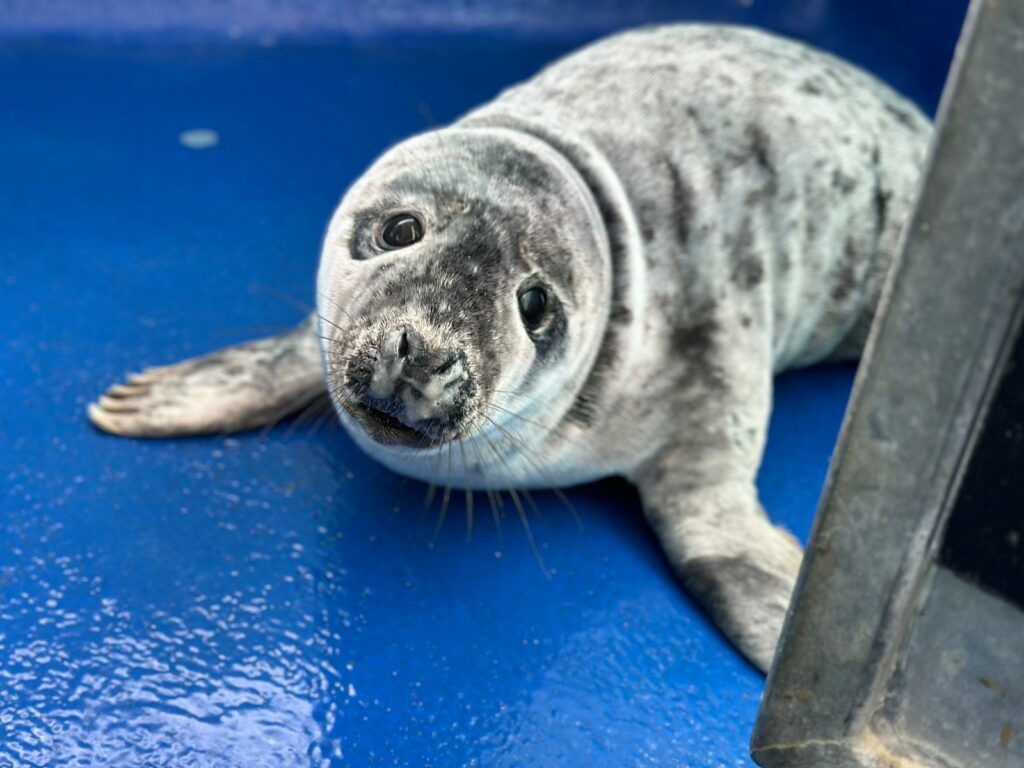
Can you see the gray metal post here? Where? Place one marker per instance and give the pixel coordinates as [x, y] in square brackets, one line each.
[905, 642]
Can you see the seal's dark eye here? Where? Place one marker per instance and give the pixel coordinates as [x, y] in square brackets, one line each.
[400, 231]
[532, 303]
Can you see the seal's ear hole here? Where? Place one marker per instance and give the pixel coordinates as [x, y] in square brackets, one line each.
[533, 304]
[400, 231]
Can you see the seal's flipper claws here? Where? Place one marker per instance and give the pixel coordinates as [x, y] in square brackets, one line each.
[116, 404]
[125, 390]
[242, 387]
[103, 419]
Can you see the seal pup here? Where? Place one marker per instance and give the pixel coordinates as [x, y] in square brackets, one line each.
[597, 273]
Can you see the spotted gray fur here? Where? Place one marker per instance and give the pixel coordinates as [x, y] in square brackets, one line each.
[705, 206]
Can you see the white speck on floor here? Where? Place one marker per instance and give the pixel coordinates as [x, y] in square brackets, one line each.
[199, 138]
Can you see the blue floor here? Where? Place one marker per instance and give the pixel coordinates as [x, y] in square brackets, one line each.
[278, 599]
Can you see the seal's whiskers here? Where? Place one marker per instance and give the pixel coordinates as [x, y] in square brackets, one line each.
[517, 441]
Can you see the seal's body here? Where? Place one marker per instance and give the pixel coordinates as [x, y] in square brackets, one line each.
[754, 191]
[598, 273]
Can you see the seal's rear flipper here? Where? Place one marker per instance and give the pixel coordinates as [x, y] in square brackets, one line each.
[241, 387]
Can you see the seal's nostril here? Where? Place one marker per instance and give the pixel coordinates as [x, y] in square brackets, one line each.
[403, 344]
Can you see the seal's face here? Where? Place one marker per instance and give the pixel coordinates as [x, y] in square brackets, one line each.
[464, 280]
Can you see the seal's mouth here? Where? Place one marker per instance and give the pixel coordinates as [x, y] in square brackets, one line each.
[387, 429]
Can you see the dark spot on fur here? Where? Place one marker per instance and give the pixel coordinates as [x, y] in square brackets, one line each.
[620, 314]
[748, 273]
[785, 263]
[282, 357]
[881, 207]
[745, 321]
[903, 117]
[583, 411]
[759, 146]
[753, 197]
[741, 246]
[844, 280]
[520, 169]
[761, 151]
[717, 179]
[694, 346]
[712, 579]
[811, 227]
[845, 184]
[683, 207]
[646, 215]
[698, 123]
[811, 86]
[211, 361]
[726, 586]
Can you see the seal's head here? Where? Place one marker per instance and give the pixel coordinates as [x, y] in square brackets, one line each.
[463, 293]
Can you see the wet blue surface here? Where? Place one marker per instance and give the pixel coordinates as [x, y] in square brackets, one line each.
[278, 599]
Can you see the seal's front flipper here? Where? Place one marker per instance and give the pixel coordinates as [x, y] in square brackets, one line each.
[238, 388]
[730, 557]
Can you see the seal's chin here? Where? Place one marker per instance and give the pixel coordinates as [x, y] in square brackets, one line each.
[386, 429]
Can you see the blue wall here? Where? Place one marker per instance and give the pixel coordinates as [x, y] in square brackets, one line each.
[908, 43]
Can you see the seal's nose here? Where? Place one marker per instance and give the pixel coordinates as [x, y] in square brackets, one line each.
[414, 382]
[398, 346]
